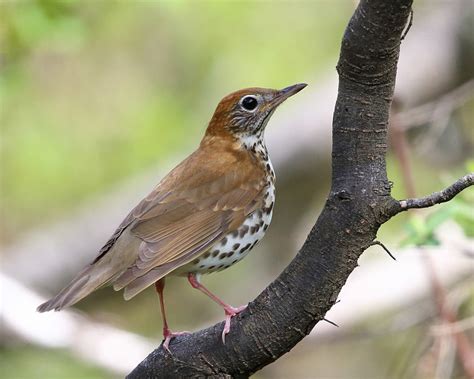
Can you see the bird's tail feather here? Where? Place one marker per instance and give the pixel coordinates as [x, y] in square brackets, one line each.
[87, 281]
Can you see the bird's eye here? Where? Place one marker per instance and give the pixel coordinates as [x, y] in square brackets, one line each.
[249, 103]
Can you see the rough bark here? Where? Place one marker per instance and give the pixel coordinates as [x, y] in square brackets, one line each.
[358, 203]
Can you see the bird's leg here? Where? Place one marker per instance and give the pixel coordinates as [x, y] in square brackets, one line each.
[229, 310]
[167, 333]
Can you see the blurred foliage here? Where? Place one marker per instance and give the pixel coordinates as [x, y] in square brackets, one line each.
[30, 362]
[93, 91]
[421, 230]
[419, 227]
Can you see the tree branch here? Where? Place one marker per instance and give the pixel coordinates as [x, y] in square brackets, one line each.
[287, 310]
[436, 197]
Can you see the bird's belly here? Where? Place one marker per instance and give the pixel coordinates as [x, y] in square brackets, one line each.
[234, 246]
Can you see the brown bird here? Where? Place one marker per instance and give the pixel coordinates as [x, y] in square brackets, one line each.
[204, 216]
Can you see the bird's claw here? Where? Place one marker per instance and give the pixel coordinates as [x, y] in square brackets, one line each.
[169, 335]
[229, 313]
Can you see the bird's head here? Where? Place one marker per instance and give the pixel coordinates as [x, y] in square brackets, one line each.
[245, 113]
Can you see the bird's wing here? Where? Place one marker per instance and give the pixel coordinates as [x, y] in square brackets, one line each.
[203, 199]
[146, 204]
[185, 225]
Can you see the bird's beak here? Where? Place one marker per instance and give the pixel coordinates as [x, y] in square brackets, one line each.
[285, 93]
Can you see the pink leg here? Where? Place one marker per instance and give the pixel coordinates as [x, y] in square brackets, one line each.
[229, 310]
[167, 333]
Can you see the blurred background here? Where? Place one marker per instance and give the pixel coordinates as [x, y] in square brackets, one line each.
[100, 99]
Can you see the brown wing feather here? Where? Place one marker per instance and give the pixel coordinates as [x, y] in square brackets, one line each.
[144, 206]
[207, 196]
[191, 233]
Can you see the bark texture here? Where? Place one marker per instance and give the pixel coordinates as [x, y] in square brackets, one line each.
[358, 203]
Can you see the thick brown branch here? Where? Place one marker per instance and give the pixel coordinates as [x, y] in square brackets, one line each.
[288, 308]
[436, 197]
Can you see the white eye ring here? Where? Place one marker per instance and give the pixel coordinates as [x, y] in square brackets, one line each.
[249, 103]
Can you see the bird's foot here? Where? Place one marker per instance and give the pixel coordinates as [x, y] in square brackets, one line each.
[168, 335]
[229, 313]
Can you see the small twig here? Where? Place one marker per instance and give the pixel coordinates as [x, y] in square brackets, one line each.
[408, 26]
[330, 322]
[439, 197]
[383, 247]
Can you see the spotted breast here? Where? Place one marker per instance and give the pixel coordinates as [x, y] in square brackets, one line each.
[237, 244]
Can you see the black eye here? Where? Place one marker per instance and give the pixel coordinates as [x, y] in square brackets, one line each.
[249, 103]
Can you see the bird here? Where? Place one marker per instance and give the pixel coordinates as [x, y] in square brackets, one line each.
[204, 216]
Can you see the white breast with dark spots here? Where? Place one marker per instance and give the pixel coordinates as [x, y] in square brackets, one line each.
[236, 245]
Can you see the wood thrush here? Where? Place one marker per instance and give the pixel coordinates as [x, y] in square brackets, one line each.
[204, 216]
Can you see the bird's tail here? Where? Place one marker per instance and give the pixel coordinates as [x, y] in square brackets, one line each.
[87, 281]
